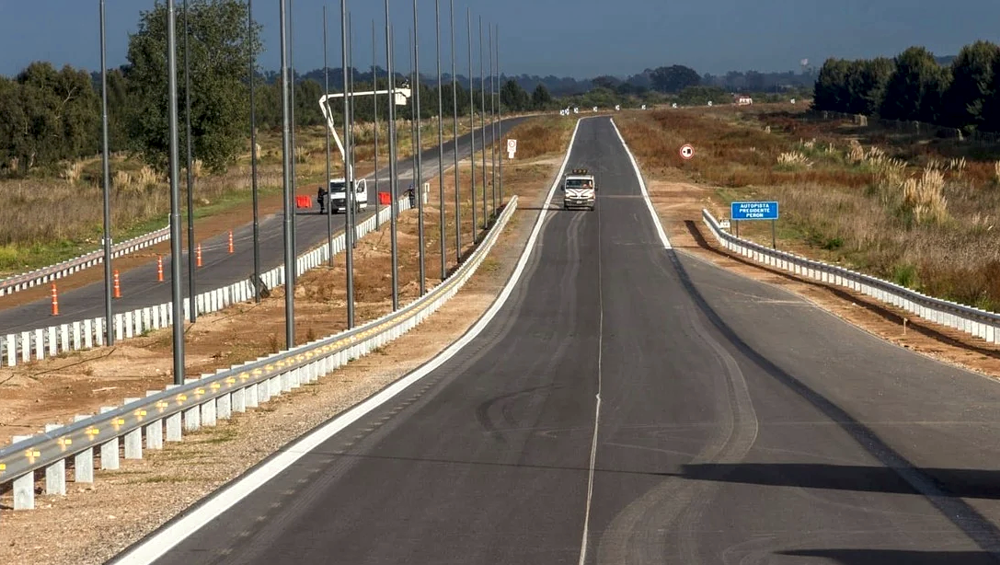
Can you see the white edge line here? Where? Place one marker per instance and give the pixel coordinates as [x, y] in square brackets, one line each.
[159, 543]
[645, 193]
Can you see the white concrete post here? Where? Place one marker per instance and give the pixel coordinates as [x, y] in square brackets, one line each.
[83, 462]
[109, 449]
[55, 474]
[24, 486]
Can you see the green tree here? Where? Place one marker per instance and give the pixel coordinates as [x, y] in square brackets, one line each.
[866, 81]
[540, 98]
[972, 84]
[513, 97]
[831, 91]
[917, 86]
[675, 78]
[219, 58]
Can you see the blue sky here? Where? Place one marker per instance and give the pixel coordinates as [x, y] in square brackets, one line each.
[581, 38]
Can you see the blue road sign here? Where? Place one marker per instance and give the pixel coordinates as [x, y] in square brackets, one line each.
[754, 211]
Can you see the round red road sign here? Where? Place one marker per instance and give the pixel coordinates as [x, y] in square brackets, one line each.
[687, 151]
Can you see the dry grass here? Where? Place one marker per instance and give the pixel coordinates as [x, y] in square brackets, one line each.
[917, 211]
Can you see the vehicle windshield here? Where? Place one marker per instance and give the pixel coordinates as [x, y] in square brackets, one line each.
[337, 186]
[579, 183]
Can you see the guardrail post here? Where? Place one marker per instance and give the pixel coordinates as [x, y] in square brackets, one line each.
[273, 387]
[173, 423]
[252, 395]
[239, 398]
[109, 449]
[24, 486]
[154, 429]
[224, 406]
[192, 416]
[133, 439]
[83, 462]
[55, 474]
[53, 343]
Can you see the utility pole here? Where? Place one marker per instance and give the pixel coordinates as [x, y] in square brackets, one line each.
[419, 178]
[375, 120]
[291, 136]
[106, 173]
[348, 173]
[499, 118]
[494, 148]
[190, 179]
[175, 201]
[326, 179]
[253, 158]
[472, 124]
[393, 181]
[454, 111]
[482, 118]
[441, 222]
[287, 187]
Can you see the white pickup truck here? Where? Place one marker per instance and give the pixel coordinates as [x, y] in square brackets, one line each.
[579, 190]
[337, 196]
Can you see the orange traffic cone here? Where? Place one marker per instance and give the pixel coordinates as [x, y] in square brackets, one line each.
[159, 268]
[55, 300]
[118, 285]
[198, 254]
[231, 249]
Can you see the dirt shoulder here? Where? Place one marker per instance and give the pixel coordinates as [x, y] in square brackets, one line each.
[62, 531]
[679, 206]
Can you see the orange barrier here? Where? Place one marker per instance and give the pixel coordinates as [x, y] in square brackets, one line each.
[384, 198]
[198, 255]
[303, 202]
[159, 268]
[231, 249]
[55, 300]
[118, 285]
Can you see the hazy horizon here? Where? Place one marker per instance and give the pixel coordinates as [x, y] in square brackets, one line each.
[590, 39]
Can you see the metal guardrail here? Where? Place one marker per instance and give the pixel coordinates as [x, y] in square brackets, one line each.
[24, 281]
[201, 402]
[973, 321]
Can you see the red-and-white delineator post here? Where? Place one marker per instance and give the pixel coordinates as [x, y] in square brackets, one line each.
[55, 300]
[231, 248]
[198, 254]
[118, 285]
[159, 268]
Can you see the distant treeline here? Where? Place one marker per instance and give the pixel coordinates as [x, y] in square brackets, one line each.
[915, 85]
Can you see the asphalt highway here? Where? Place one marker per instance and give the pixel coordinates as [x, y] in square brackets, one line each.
[141, 289]
[633, 405]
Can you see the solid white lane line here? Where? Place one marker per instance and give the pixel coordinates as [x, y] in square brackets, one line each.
[161, 541]
[642, 187]
[597, 404]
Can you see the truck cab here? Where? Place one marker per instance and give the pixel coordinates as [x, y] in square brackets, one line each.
[337, 195]
[579, 190]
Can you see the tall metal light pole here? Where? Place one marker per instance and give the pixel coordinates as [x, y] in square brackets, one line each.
[291, 135]
[375, 119]
[441, 206]
[106, 173]
[454, 111]
[414, 116]
[326, 179]
[494, 149]
[348, 173]
[352, 220]
[190, 178]
[175, 201]
[496, 38]
[482, 118]
[253, 157]
[287, 187]
[472, 123]
[419, 180]
[393, 181]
